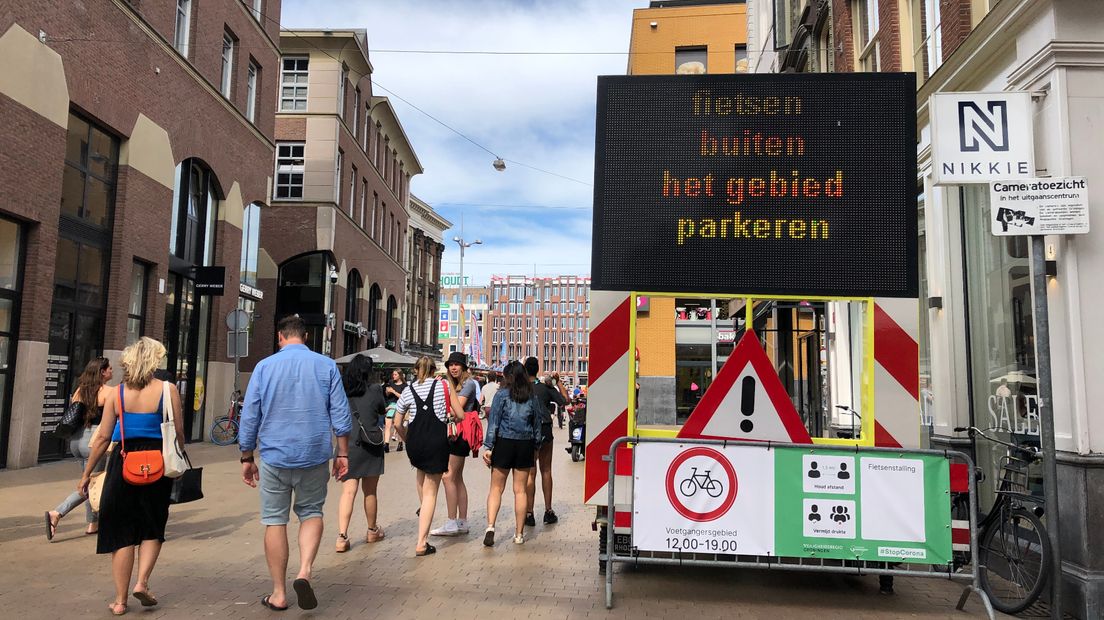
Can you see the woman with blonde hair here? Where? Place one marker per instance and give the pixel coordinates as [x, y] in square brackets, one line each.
[133, 515]
[92, 393]
[422, 418]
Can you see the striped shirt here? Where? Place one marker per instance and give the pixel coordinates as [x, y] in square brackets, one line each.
[406, 406]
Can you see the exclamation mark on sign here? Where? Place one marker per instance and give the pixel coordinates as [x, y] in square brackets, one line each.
[747, 402]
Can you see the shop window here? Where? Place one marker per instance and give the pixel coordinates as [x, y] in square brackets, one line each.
[1003, 379]
[251, 243]
[375, 298]
[353, 323]
[136, 308]
[290, 168]
[392, 315]
[293, 83]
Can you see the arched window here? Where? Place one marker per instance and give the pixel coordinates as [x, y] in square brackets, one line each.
[392, 312]
[375, 295]
[353, 321]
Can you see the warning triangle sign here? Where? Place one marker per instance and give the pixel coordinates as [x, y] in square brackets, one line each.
[746, 401]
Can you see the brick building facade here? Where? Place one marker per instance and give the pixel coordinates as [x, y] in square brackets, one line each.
[423, 265]
[116, 185]
[335, 237]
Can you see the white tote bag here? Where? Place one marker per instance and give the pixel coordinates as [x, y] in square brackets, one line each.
[176, 463]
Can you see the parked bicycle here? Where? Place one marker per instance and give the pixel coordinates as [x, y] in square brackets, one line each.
[1014, 553]
[224, 430]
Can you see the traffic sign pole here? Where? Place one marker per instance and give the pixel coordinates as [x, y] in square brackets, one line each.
[1046, 418]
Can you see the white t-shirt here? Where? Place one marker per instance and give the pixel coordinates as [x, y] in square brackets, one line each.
[406, 405]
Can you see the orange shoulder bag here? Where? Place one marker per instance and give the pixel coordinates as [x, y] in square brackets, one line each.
[141, 467]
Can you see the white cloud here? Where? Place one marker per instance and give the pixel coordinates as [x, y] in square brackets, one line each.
[538, 110]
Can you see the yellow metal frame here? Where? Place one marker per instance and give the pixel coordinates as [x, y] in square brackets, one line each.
[867, 406]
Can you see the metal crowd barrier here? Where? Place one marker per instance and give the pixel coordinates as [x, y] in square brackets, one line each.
[968, 574]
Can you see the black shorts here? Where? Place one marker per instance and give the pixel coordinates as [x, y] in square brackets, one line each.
[460, 447]
[513, 454]
[546, 434]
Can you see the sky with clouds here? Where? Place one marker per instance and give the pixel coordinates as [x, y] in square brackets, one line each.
[536, 110]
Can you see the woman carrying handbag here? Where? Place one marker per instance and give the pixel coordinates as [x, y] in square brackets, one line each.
[134, 507]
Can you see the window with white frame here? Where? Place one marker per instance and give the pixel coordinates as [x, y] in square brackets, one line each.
[183, 25]
[293, 83]
[933, 36]
[290, 166]
[363, 199]
[257, 12]
[341, 91]
[227, 65]
[375, 210]
[866, 27]
[352, 191]
[339, 175]
[356, 111]
[251, 77]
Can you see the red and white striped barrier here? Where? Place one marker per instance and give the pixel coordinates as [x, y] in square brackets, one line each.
[896, 372]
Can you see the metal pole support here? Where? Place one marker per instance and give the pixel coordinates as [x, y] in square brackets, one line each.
[1046, 417]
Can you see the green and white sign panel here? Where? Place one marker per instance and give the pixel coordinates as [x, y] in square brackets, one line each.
[755, 499]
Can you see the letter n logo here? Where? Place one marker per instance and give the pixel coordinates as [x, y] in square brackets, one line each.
[976, 124]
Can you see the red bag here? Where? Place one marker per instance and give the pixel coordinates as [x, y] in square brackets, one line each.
[142, 467]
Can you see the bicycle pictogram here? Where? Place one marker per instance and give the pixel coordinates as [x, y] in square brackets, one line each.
[689, 486]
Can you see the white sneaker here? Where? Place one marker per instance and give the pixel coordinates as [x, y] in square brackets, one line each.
[519, 540]
[462, 526]
[448, 529]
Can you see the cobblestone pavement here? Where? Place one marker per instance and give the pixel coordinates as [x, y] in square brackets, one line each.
[213, 563]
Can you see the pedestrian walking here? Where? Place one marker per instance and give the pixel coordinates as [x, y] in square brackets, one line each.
[131, 514]
[464, 444]
[486, 395]
[294, 400]
[92, 393]
[422, 416]
[513, 434]
[367, 405]
[393, 390]
[552, 397]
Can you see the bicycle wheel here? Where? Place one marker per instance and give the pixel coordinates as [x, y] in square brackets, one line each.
[714, 488]
[1014, 555]
[688, 487]
[224, 431]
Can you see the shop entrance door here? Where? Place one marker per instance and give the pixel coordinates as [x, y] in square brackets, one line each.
[181, 339]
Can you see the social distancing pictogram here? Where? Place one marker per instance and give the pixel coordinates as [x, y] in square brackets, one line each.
[746, 401]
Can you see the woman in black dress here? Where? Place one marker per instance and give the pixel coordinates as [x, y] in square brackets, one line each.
[422, 419]
[133, 516]
[366, 402]
[393, 389]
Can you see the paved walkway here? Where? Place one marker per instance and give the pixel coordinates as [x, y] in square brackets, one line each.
[213, 563]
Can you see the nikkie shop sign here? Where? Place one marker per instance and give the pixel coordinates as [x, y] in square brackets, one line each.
[981, 137]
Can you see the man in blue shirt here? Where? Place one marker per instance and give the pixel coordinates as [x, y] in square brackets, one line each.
[294, 403]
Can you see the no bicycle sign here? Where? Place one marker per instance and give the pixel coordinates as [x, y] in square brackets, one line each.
[762, 500]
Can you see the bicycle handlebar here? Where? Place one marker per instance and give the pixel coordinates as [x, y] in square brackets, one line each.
[973, 430]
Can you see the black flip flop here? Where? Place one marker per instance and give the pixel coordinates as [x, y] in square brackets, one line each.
[265, 603]
[144, 597]
[49, 526]
[429, 550]
[304, 594]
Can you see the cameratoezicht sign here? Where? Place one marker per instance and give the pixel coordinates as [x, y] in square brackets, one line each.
[795, 184]
[1050, 206]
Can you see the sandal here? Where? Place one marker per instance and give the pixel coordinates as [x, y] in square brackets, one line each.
[147, 599]
[374, 535]
[51, 526]
[266, 603]
[304, 594]
[115, 609]
[342, 543]
[429, 550]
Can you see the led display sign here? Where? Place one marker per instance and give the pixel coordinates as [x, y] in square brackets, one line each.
[772, 184]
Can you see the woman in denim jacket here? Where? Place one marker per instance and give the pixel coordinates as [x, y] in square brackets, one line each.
[512, 436]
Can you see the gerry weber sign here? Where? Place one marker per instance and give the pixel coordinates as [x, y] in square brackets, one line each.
[981, 137]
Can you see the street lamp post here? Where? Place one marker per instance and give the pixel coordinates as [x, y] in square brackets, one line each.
[463, 246]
